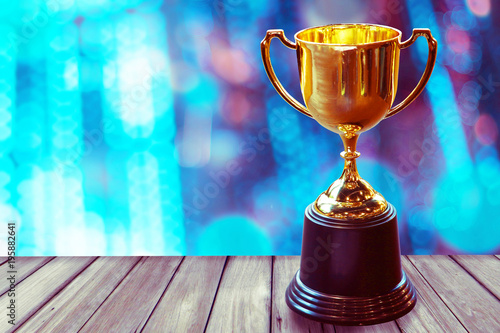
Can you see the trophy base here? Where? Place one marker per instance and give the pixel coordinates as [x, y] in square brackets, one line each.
[350, 272]
[350, 311]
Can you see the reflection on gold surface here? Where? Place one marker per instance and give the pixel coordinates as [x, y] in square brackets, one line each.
[347, 34]
[348, 73]
[350, 196]
[348, 77]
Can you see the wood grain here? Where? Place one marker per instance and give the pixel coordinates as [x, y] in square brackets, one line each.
[430, 314]
[81, 298]
[24, 267]
[243, 302]
[38, 288]
[390, 327]
[283, 319]
[475, 307]
[186, 304]
[485, 269]
[131, 303]
[158, 294]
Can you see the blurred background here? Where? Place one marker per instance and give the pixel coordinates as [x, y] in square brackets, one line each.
[150, 127]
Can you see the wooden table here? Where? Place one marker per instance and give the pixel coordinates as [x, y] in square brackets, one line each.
[228, 294]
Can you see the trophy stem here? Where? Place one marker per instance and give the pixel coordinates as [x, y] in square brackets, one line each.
[350, 197]
[350, 141]
[350, 173]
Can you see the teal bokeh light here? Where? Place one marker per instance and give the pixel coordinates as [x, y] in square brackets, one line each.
[150, 127]
[233, 235]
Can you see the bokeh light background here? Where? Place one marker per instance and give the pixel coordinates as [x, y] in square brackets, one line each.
[150, 127]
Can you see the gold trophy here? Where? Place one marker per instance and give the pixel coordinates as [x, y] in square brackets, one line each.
[350, 271]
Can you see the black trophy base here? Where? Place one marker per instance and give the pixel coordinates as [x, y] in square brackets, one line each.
[350, 271]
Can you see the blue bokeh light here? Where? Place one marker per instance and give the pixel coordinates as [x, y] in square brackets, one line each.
[150, 127]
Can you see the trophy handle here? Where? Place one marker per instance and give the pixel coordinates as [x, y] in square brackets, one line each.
[431, 60]
[266, 58]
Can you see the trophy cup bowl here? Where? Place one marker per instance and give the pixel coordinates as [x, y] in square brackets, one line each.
[350, 271]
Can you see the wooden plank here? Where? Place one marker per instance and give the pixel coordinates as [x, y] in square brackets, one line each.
[430, 314]
[38, 288]
[327, 328]
[485, 269]
[24, 267]
[186, 304]
[131, 303]
[283, 319]
[475, 307]
[73, 306]
[390, 327]
[243, 302]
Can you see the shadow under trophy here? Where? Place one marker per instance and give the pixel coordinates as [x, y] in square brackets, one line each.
[350, 270]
